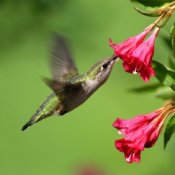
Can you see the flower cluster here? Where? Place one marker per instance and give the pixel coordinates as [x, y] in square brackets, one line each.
[141, 132]
[137, 54]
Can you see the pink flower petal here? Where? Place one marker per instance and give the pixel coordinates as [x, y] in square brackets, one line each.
[139, 132]
[137, 54]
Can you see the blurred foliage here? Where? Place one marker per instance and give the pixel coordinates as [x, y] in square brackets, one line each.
[145, 88]
[172, 34]
[164, 93]
[164, 75]
[23, 17]
[37, 6]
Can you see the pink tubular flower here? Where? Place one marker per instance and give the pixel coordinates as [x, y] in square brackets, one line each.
[124, 49]
[137, 54]
[140, 132]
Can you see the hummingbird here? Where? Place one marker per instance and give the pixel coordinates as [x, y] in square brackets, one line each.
[69, 88]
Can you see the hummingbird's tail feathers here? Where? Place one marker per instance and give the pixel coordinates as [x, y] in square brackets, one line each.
[55, 85]
[46, 109]
[26, 126]
[35, 119]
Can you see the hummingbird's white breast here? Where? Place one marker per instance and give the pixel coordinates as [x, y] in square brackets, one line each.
[90, 86]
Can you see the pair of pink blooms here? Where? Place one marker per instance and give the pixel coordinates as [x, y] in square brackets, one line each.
[141, 132]
[137, 54]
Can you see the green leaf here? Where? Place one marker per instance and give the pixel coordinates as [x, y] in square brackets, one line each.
[171, 62]
[166, 39]
[165, 93]
[169, 41]
[149, 11]
[152, 3]
[170, 129]
[172, 37]
[164, 75]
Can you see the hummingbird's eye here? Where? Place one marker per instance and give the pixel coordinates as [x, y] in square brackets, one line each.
[106, 65]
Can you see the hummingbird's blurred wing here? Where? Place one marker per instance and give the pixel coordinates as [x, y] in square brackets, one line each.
[65, 91]
[53, 84]
[61, 62]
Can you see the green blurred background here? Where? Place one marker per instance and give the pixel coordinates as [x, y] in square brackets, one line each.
[84, 137]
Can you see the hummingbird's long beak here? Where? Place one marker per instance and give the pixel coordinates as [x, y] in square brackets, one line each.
[114, 57]
[113, 60]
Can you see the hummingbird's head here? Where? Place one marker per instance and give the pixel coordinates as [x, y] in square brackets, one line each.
[101, 70]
